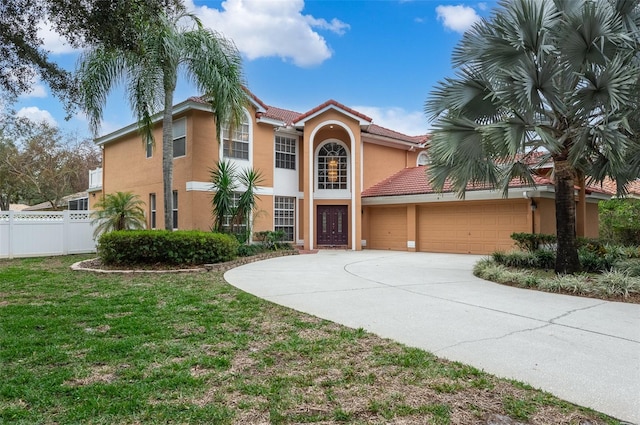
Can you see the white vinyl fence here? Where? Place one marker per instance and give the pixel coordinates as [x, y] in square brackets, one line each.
[44, 233]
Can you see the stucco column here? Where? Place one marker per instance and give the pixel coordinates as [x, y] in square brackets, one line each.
[411, 228]
[307, 182]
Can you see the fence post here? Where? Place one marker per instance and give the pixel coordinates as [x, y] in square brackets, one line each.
[10, 233]
[66, 222]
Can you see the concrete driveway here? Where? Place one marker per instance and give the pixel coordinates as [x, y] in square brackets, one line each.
[583, 350]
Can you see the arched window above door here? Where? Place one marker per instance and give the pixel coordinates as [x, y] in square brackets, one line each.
[332, 167]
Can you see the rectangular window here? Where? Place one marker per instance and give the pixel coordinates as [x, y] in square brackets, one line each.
[175, 209]
[152, 210]
[284, 213]
[285, 152]
[81, 204]
[149, 150]
[238, 146]
[179, 138]
[234, 224]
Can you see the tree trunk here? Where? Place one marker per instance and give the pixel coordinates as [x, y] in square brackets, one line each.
[567, 261]
[167, 151]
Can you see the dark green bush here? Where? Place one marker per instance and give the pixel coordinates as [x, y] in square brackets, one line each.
[273, 240]
[166, 247]
[592, 261]
[545, 259]
[620, 221]
[531, 242]
[539, 259]
[247, 250]
[591, 244]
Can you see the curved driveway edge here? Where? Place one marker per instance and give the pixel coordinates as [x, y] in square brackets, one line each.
[583, 350]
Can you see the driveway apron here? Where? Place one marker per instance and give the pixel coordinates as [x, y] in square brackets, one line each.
[583, 350]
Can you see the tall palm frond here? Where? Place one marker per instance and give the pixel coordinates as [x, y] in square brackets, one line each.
[167, 44]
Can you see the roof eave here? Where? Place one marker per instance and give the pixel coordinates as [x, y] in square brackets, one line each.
[361, 121]
[526, 192]
[386, 141]
[187, 105]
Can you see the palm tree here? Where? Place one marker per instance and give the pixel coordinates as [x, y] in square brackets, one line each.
[540, 76]
[166, 47]
[118, 211]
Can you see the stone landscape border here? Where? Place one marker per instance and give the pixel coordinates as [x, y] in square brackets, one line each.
[217, 267]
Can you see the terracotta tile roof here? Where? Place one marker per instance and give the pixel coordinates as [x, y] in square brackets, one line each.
[290, 117]
[610, 186]
[336, 104]
[413, 181]
[285, 115]
[381, 131]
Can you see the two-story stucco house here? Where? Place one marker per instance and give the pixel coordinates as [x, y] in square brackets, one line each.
[331, 177]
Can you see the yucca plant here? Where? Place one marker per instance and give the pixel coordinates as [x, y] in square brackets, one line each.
[225, 185]
[250, 179]
[118, 211]
[235, 199]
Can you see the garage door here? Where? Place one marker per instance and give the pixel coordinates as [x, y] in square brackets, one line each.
[478, 228]
[388, 228]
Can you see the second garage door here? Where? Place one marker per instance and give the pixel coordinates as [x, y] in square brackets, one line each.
[388, 228]
[478, 228]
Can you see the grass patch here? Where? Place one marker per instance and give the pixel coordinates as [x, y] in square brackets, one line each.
[189, 348]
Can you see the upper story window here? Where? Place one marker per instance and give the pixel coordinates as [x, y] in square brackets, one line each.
[423, 158]
[149, 148]
[285, 152]
[236, 144]
[332, 166]
[179, 138]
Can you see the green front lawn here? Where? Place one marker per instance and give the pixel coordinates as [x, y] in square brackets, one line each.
[188, 348]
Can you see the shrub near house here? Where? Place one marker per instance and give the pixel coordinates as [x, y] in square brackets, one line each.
[183, 247]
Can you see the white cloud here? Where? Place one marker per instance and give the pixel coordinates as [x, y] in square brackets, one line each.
[37, 115]
[457, 18]
[411, 123]
[52, 40]
[37, 90]
[272, 28]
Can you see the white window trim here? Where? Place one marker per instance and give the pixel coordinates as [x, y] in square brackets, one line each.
[240, 161]
[175, 209]
[153, 211]
[295, 154]
[422, 159]
[295, 215]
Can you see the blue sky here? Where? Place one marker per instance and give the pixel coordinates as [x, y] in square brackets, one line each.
[380, 57]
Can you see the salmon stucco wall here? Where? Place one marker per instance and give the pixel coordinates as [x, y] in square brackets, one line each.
[384, 161]
[545, 217]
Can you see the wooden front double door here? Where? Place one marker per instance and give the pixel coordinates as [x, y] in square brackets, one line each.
[332, 226]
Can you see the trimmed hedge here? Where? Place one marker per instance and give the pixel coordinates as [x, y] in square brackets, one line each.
[166, 247]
